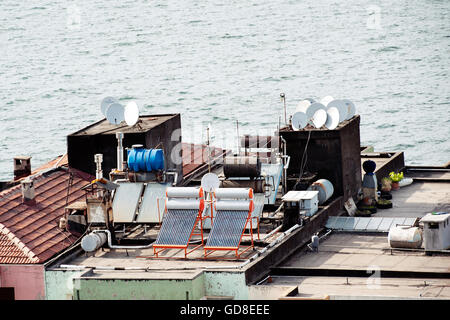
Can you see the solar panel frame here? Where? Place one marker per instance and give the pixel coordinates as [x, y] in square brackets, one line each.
[368, 224]
[176, 228]
[331, 222]
[227, 229]
[374, 223]
[362, 223]
[148, 210]
[385, 225]
[339, 225]
[126, 201]
[350, 223]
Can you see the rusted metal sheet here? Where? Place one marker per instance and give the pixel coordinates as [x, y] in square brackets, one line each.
[196, 156]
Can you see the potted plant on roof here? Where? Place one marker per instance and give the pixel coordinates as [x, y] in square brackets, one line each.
[395, 178]
[386, 186]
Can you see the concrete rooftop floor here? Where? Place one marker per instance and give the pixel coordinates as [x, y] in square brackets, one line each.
[418, 199]
[365, 288]
[364, 252]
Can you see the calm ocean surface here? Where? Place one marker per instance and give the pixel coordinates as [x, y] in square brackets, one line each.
[216, 63]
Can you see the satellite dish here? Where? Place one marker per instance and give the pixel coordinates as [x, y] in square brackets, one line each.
[303, 105]
[131, 113]
[299, 120]
[210, 182]
[332, 118]
[310, 100]
[341, 106]
[351, 109]
[106, 102]
[114, 113]
[313, 108]
[319, 118]
[325, 100]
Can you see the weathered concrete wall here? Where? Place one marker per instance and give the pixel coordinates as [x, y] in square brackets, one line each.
[59, 284]
[143, 289]
[220, 283]
[65, 284]
[27, 280]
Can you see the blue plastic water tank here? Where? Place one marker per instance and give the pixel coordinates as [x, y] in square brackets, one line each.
[141, 159]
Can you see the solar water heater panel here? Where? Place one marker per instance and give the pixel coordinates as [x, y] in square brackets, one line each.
[177, 227]
[227, 229]
[126, 201]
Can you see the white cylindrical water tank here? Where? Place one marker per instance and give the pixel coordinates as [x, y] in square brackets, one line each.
[185, 204]
[235, 205]
[93, 241]
[405, 237]
[184, 192]
[325, 189]
[234, 193]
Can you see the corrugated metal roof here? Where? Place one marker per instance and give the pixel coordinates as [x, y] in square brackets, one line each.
[195, 156]
[33, 230]
[369, 224]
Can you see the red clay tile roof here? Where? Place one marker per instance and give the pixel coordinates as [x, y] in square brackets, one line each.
[30, 234]
[12, 250]
[33, 230]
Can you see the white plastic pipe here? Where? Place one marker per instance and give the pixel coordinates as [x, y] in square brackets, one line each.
[98, 158]
[119, 136]
[110, 245]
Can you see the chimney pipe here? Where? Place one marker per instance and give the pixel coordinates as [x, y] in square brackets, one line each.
[98, 158]
[119, 136]
[22, 167]
[28, 194]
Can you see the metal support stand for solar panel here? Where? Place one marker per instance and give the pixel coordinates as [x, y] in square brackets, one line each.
[212, 244]
[209, 200]
[171, 238]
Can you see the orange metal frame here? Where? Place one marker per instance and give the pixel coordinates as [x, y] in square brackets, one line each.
[163, 247]
[235, 249]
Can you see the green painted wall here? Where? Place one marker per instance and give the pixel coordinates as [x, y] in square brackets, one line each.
[226, 284]
[132, 289]
[63, 284]
[59, 284]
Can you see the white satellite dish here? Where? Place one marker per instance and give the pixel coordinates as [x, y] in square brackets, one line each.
[319, 118]
[332, 118]
[313, 108]
[341, 106]
[325, 100]
[310, 100]
[114, 113]
[299, 120]
[210, 182]
[106, 102]
[351, 109]
[303, 105]
[131, 113]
